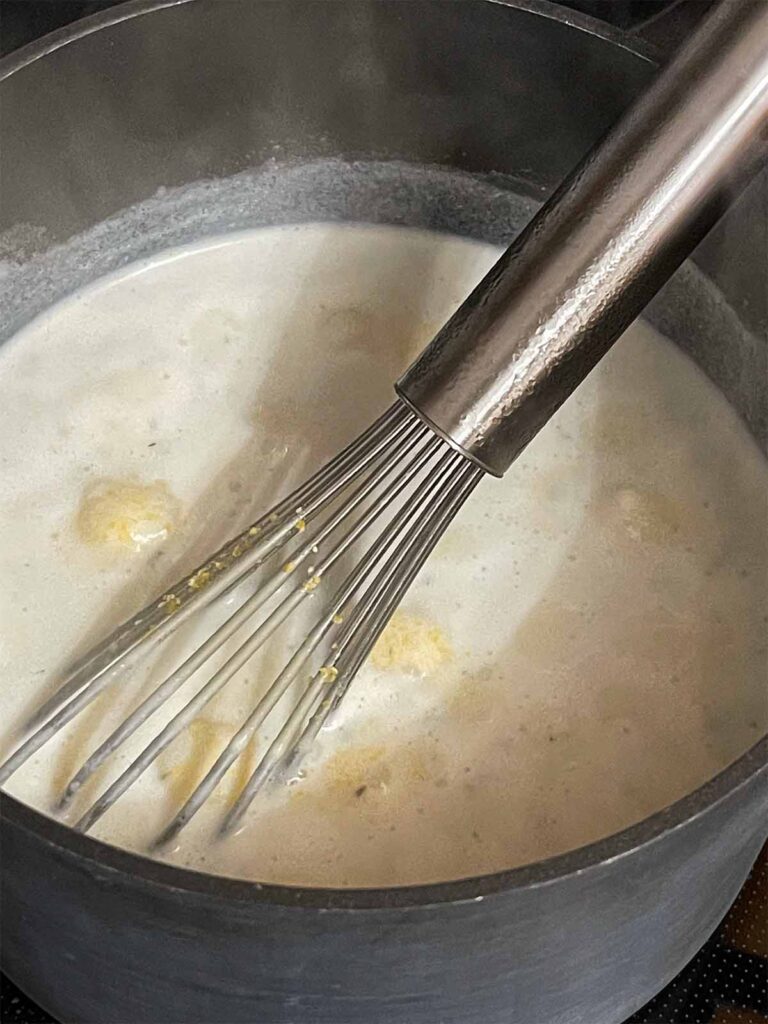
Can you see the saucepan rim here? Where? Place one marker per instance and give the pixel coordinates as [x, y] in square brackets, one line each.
[109, 860]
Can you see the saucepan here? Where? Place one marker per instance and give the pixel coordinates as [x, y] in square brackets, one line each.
[453, 116]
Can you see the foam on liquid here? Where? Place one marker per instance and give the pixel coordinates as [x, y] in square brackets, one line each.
[586, 645]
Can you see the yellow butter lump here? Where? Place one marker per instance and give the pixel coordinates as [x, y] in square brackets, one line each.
[126, 513]
[411, 644]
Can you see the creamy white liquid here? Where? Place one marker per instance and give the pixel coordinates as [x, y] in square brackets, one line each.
[586, 645]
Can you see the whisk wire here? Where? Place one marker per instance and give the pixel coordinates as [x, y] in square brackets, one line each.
[390, 587]
[237, 559]
[398, 471]
[230, 627]
[405, 472]
[361, 633]
[415, 504]
[228, 567]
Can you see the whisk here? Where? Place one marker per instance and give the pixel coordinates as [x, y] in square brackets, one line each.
[525, 338]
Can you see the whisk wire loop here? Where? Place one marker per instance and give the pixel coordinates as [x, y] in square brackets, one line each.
[398, 473]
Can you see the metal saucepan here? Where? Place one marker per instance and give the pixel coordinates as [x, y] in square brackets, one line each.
[454, 116]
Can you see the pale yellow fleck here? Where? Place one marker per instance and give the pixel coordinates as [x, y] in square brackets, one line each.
[329, 673]
[411, 644]
[127, 514]
[170, 603]
[297, 793]
[254, 531]
[369, 775]
[414, 765]
[472, 701]
[300, 525]
[289, 567]
[541, 631]
[352, 767]
[338, 618]
[648, 516]
[312, 584]
[201, 579]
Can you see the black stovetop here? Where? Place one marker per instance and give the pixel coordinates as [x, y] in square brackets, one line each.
[728, 979]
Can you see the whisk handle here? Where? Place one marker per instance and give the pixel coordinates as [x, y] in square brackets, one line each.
[601, 246]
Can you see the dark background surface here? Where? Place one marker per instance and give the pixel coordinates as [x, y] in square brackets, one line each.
[21, 21]
[727, 983]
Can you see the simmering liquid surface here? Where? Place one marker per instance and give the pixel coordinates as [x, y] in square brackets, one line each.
[585, 646]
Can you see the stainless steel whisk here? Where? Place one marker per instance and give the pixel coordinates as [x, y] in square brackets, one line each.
[581, 271]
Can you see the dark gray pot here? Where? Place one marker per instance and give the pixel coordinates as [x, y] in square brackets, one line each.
[499, 101]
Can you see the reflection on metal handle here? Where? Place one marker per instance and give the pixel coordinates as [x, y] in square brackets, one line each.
[601, 246]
